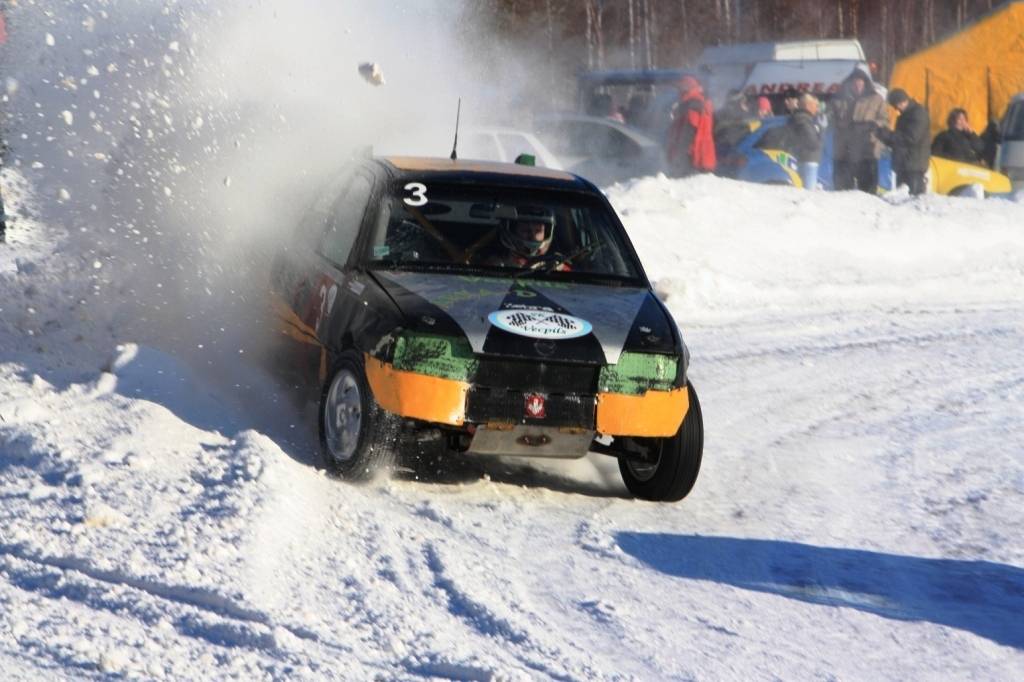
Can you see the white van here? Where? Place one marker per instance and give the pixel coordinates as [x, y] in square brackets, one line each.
[1010, 157]
[769, 68]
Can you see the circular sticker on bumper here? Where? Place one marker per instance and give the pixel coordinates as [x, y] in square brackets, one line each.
[540, 324]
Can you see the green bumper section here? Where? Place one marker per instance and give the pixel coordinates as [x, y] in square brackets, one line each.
[453, 358]
[637, 373]
[436, 356]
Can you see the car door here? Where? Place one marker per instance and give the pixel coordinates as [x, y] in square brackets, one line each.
[342, 230]
[308, 269]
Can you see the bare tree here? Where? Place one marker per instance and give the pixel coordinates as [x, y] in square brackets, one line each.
[649, 33]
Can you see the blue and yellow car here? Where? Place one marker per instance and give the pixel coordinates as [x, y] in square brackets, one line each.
[746, 161]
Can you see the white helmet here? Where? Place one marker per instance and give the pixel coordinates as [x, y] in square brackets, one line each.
[527, 248]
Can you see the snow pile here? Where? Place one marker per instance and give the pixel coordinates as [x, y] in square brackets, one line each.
[716, 247]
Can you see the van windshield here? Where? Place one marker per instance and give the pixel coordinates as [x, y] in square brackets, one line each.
[507, 231]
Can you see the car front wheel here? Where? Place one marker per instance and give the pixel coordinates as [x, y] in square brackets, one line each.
[670, 469]
[357, 437]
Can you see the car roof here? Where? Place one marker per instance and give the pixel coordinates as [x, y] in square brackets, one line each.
[498, 130]
[637, 135]
[483, 172]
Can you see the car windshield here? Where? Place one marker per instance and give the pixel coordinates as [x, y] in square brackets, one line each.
[517, 232]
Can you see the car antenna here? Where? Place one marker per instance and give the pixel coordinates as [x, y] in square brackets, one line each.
[455, 145]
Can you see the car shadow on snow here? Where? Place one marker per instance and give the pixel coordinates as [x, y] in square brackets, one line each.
[981, 597]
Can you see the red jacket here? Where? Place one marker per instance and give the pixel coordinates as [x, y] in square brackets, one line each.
[690, 139]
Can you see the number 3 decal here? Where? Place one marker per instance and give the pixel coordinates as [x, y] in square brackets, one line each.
[419, 194]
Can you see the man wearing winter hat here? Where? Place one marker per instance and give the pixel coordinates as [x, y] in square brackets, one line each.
[856, 112]
[910, 141]
[690, 145]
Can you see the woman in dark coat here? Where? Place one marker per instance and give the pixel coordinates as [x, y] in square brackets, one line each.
[958, 141]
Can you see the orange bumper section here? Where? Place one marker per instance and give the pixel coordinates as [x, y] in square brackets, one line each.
[653, 414]
[417, 396]
[443, 401]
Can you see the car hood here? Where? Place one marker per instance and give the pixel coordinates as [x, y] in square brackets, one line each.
[533, 318]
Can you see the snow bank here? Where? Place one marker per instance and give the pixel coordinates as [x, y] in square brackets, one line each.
[716, 248]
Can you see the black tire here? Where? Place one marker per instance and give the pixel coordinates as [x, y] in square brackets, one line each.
[355, 451]
[671, 478]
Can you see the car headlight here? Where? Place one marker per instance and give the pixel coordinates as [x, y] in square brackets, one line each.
[435, 355]
[637, 373]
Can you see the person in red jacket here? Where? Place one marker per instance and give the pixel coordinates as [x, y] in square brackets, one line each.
[690, 147]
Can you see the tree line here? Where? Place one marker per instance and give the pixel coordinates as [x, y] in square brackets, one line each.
[671, 33]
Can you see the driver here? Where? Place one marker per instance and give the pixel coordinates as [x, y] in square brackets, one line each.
[526, 237]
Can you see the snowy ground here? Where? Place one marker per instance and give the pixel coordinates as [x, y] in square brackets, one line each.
[859, 515]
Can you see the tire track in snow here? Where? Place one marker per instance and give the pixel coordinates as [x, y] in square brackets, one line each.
[204, 600]
[877, 343]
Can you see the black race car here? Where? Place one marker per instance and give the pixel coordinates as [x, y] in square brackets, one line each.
[498, 309]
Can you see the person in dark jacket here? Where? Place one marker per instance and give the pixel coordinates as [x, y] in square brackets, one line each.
[803, 139]
[732, 122]
[990, 138]
[791, 100]
[856, 112]
[3, 215]
[958, 141]
[911, 150]
[3, 220]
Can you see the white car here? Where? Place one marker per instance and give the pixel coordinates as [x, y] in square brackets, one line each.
[600, 149]
[504, 144]
[1010, 157]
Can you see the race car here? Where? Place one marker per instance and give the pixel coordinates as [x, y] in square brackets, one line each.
[498, 309]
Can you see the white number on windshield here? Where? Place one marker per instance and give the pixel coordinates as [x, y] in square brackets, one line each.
[419, 194]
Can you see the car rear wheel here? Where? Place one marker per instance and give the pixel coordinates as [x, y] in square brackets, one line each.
[672, 465]
[357, 437]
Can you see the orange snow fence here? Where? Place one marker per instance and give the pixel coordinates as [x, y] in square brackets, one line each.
[979, 69]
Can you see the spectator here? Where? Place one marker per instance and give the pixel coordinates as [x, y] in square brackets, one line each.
[637, 113]
[990, 139]
[856, 113]
[791, 100]
[803, 139]
[958, 141]
[601, 105]
[3, 214]
[909, 141]
[732, 123]
[690, 144]
[764, 107]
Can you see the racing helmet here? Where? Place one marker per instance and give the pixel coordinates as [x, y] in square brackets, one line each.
[511, 232]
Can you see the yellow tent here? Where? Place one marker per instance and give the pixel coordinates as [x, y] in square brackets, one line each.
[978, 69]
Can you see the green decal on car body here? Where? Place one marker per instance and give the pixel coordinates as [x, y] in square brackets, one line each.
[433, 355]
[637, 373]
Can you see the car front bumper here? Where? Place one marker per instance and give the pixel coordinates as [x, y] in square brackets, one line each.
[452, 402]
